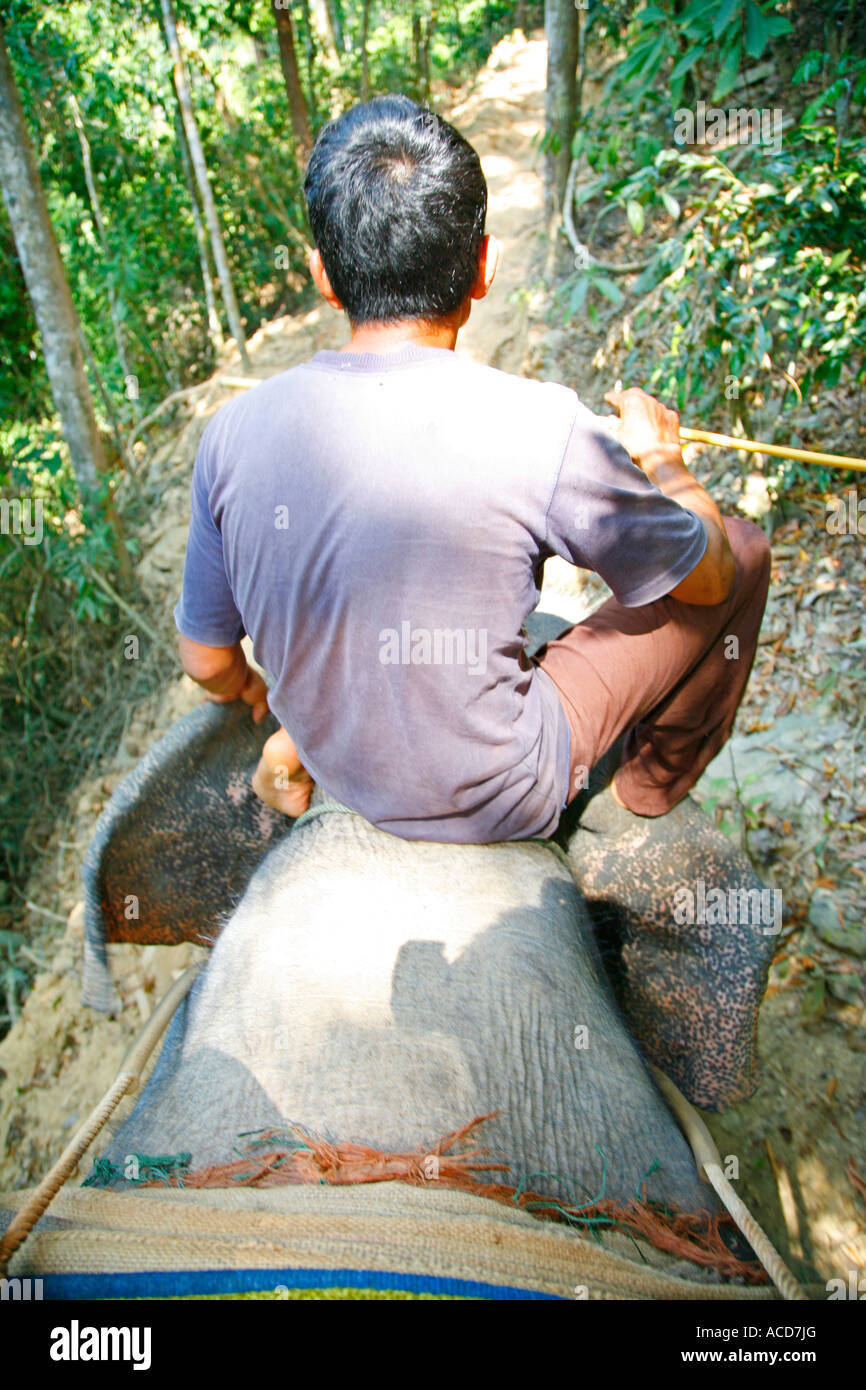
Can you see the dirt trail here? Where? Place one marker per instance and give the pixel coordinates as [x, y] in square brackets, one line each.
[60, 1057]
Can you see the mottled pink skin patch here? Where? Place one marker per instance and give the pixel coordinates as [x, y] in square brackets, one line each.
[265, 820]
[237, 789]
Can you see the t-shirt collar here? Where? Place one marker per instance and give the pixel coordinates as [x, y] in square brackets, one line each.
[407, 354]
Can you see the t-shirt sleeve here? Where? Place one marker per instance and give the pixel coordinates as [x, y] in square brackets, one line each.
[606, 515]
[206, 612]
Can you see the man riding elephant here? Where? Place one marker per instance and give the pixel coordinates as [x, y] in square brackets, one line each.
[377, 519]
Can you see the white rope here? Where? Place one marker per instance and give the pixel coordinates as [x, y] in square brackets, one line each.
[127, 1080]
[710, 1168]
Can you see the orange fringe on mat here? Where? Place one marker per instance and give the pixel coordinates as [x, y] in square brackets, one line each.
[693, 1236]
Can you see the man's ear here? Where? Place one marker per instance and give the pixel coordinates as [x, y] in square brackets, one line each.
[488, 262]
[321, 281]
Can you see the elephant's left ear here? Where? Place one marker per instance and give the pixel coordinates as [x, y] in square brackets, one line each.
[178, 841]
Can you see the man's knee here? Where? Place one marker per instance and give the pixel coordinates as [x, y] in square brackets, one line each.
[751, 549]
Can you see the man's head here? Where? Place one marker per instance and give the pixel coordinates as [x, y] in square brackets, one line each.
[397, 202]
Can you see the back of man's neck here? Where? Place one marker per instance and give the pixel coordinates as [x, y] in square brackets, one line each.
[388, 337]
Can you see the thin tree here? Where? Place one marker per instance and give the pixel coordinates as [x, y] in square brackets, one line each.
[116, 308]
[214, 327]
[426, 36]
[291, 76]
[323, 22]
[47, 286]
[309, 57]
[365, 29]
[335, 15]
[561, 27]
[196, 152]
[417, 46]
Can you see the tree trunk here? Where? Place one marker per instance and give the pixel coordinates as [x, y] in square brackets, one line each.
[338, 29]
[309, 57]
[323, 23]
[416, 45]
[46, 283]
[291, 77]
[427, 35]
[365, 29]
[581, 66]
[561, 28]
[214, 327]
[196, 153]
[115, 301]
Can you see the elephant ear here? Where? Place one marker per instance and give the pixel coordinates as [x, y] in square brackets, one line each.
[689, 985]
[179, 840]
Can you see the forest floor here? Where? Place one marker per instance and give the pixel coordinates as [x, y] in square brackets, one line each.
[791, 790]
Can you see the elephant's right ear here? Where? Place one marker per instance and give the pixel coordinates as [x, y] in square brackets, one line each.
[178, 841]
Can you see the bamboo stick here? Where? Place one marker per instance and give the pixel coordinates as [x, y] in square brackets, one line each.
[782, 451]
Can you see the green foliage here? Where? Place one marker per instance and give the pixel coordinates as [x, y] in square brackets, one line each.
[751, 255]
[770, 269]
[54, 615]
[55, 624]
[846, 81]
[686, 43]
[118, 72]
[76, 540]
[111, 58]
[14, 976]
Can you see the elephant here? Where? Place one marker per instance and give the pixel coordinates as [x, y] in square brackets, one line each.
[386, 992]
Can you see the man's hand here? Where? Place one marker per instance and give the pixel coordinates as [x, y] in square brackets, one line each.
[646, 429]
[224, 675]
[253, 692]
[650, 433]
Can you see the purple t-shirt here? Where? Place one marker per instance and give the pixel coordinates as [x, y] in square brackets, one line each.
[377, 524]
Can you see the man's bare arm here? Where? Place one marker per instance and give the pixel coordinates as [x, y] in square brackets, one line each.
[223, 673]
[649, 431]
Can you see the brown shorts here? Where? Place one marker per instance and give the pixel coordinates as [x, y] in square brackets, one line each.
[671, 674]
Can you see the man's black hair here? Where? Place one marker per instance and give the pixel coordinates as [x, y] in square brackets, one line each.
[397, 202]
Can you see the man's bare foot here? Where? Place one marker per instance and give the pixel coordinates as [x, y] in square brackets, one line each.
[615, 795]
[293, 799]
[611, 786]
[280, 780]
